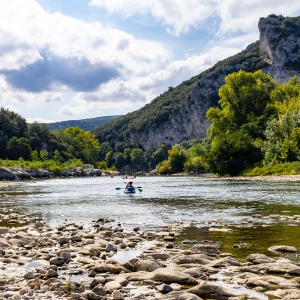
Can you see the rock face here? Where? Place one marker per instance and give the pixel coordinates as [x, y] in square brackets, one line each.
[280, 46]
[277, 53]
[188, 123]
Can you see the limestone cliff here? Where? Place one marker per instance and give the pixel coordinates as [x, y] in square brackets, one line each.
[280, 46]
[179, 114]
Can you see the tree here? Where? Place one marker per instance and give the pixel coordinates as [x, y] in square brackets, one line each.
[109, 159]
[41, 138]
[18, 147]
[159, 155]
[233, 153]
[238, 125]
[282, 142]
[137, 158]
[119, 160]
[197, 155]
[84, 144]
[244, 99]
[283, 139]
[104, 149]
[11, 125]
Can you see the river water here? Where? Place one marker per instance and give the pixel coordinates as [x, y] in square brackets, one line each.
[229, 212]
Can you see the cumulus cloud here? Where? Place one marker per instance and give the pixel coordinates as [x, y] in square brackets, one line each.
[179, 16]
[242, 16]
[182, 16]
[72, 46]
[76, 73]
[62, 66]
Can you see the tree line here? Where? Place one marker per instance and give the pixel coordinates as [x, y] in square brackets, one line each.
[255, 125]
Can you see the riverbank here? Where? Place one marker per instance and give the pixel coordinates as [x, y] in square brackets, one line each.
[293, 178]
[101, 260]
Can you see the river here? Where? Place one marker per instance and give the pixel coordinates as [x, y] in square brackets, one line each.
[228, 212]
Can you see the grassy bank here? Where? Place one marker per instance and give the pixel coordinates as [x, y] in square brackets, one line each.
[51, 165]
[292, 168]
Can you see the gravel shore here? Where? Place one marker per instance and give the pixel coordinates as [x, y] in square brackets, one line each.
[99, 261]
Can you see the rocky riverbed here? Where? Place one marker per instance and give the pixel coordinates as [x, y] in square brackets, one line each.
[103, 261]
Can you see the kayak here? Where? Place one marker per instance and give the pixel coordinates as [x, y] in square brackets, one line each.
[129, 190]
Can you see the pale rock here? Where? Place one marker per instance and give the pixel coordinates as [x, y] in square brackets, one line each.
[257, 258]
[117, 295]
[282, 249]
[112, 285]
[206, 289]
[181, 296]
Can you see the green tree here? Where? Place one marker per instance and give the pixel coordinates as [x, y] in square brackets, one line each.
[84, 144]
[233, 153]
[119, 160]
[159, 155]
[109, 159]
[238, 125]
[35, 155]
[137, 159]
[197, 156]
[44, 154]
[127, 154]
[40, 137]
[244, 99]
[11, 125]
[283, 139]
[104, 149]
[18, 147]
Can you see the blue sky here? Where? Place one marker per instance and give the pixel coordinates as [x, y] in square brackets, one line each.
[63, 60]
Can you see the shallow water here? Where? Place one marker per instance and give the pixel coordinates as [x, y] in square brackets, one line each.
[166, 200]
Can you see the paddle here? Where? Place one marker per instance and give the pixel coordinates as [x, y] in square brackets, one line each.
[138, 188]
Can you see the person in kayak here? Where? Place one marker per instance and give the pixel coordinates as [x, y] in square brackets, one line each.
[129, 186]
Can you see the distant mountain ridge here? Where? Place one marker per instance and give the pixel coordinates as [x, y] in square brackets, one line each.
[86, 124]
[179, 113]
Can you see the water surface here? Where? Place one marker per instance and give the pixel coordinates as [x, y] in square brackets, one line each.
[234, 204]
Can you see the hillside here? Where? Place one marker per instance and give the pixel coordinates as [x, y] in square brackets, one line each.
[179, 113]
[86, 124]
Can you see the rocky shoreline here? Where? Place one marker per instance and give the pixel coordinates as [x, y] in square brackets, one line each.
[27, 174]
[103, 261]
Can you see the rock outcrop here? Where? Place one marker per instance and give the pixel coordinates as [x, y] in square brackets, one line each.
[277, 53]
[280, 46]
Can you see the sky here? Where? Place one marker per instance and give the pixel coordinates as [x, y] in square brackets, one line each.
[76, 59]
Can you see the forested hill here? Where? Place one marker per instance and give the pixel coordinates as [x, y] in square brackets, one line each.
[179, 113]
[86, 124]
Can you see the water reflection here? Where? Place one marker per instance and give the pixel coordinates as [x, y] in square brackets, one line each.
[164, 200]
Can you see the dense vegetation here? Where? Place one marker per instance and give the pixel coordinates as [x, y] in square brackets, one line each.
[36, 143]
[255, 130]
[257, 126]
[165, 106]
[86, 124]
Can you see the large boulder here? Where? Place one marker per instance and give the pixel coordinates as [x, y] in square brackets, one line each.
[6, 174]
[211, 291]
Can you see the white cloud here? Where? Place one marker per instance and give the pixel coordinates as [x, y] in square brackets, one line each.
[179, 16]
[243, 16]
[92, 69]
[30, 31]
[182, 16]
